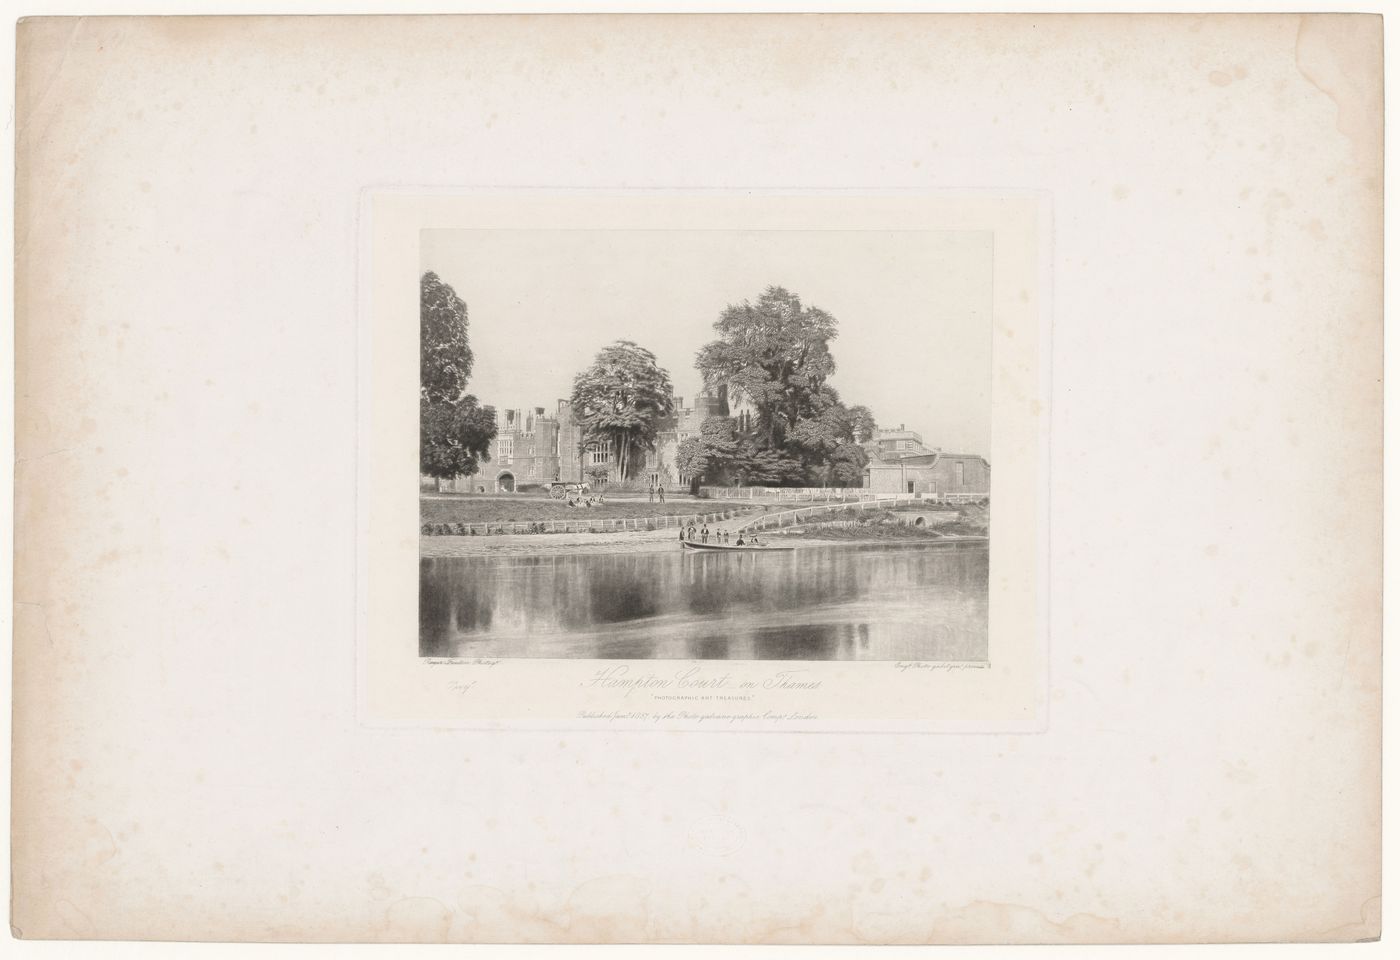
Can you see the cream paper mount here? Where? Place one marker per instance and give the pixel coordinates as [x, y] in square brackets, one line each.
[188, 759]
[887, 623]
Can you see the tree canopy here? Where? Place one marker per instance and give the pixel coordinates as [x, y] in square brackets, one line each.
[690, 458]
[620, 399]
[455, 432]
[775, 354]
[862, 423]
[444, 356]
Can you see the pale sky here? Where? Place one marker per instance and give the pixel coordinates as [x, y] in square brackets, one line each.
[913, 310]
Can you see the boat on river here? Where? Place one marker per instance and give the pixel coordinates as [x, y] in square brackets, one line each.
[760, 548]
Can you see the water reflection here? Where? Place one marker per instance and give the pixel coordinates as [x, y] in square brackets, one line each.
[838, 603]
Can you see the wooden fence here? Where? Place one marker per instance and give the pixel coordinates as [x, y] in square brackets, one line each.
[497, 528]
[831, 495]
[797, 494]
[784, 518]
[763, 521]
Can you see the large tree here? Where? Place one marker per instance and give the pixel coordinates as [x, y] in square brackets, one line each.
[620, 400]
[690, 458]
[774, 351]
[862, 423]
[455, 432]
[720, 446]
[755, 466]
[691, 461]
[845, 467]
[827, 426]
[829, 441]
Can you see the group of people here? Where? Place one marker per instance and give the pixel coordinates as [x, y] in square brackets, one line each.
[588, 502]
[656, 493]
[702, 535]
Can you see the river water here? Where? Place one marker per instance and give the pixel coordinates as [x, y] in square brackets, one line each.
[841, 602]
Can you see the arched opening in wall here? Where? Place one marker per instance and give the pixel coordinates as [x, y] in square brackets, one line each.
[505, 483]
[918, 521]
[481, 488]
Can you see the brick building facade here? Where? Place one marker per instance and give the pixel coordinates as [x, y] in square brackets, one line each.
[536, 446]
[901, 463]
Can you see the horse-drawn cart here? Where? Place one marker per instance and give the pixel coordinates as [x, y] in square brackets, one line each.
[559, 489]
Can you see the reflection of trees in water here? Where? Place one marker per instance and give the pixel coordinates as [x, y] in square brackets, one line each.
[633, 646]
[709, 648]
[714, 583]
[812, 641]
[620, 588]
[910, 603]
[434, 611]
[449, 604]
[727, 583]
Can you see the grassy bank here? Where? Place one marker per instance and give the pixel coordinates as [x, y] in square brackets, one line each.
[971, 521]
[531, 508]
[863, 533]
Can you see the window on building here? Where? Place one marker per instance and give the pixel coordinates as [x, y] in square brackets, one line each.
[506, 446]
[958, 473]
[597, 455]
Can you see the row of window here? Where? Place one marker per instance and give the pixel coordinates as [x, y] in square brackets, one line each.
[505, 449]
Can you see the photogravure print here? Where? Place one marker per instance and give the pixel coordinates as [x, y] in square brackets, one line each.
[697, 445]
[655, 435]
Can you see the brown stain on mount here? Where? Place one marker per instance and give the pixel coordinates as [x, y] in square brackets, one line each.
[1340, 54]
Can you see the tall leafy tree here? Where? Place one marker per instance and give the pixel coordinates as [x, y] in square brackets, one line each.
[827, 426]
[777, 353]
[862, 423]
[719, 445]
[690, 459]
[845, 467]
[828, 442]
[756, 466]
[455, 432]
[620, 399]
